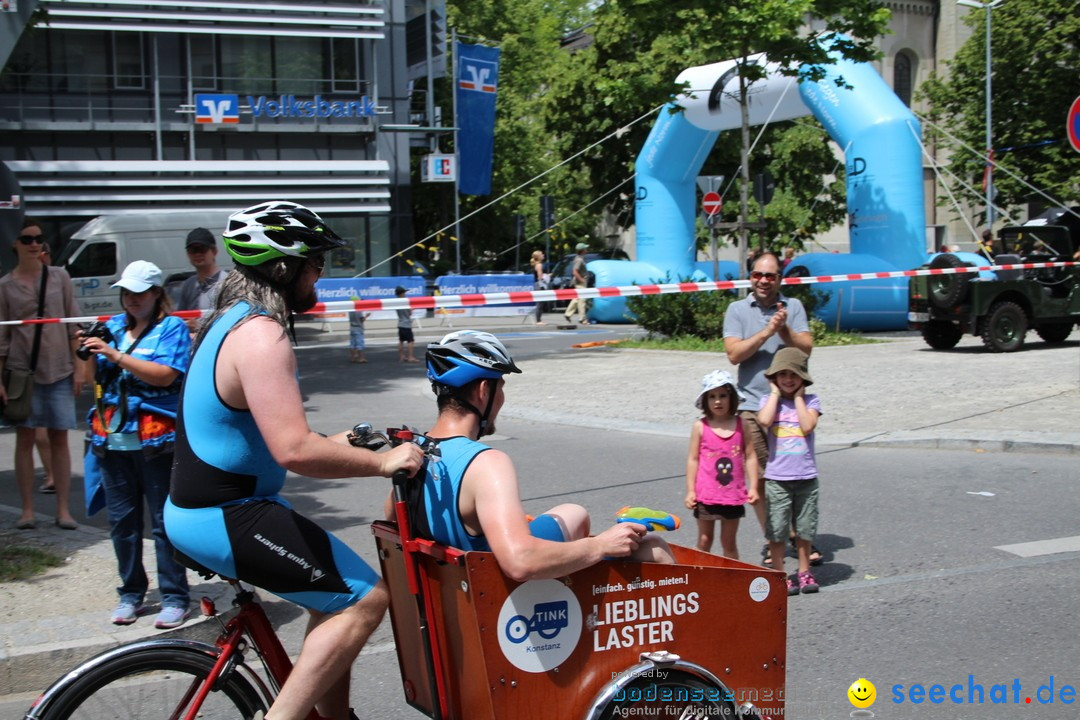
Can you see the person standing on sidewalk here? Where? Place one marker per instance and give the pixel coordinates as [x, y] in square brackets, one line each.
[580, 281]
[139, 368]
[755, 328]
[406, 339]
[48, 352]
[790, 414]
[199, 290]
[536, 262]
[357, 318]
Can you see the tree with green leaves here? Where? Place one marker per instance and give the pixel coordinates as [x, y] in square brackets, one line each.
[1035, 53]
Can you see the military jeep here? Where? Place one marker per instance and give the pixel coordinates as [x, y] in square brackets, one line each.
[1001, 306]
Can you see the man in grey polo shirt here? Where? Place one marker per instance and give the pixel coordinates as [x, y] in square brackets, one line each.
[754, 329]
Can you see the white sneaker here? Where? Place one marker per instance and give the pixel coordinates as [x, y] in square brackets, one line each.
[171, 617]
[126, 613]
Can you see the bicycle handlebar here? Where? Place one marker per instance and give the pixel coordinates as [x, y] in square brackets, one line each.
[363, 435]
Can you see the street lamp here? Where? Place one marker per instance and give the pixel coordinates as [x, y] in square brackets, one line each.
[987, 6]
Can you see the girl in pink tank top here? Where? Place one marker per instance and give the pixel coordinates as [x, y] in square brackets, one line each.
[721, 467]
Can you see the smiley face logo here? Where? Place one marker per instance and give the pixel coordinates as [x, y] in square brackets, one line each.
[862, 693]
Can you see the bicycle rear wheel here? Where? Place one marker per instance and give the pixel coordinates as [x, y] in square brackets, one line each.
[148, 682]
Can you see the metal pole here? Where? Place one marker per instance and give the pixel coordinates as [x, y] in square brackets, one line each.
[191, 96]
[989, 140]
[429, 104]
[457, 154]
[159, 153]
[715, 256]
[839, 307]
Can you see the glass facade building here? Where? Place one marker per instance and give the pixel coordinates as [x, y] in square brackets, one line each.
[144, 106]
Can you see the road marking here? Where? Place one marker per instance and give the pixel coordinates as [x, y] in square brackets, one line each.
[983, 569]
[1043, 547]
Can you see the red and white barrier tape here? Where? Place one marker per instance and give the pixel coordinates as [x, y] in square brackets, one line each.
[427, 302]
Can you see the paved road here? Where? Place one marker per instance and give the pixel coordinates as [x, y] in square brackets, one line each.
[913, 583]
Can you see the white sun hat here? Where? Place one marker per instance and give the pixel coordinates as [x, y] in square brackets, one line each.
[716, 379]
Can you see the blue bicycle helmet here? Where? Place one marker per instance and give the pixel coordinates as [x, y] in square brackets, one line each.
[467, 355]
[463, 357]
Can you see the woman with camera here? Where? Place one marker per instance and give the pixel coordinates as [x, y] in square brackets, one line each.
[37, 364]
[141, 356]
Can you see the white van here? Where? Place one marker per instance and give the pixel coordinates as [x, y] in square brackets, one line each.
[100, 250]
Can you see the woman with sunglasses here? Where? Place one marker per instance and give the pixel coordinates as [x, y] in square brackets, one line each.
[56, 382]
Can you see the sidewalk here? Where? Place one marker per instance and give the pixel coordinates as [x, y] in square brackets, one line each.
[897, 394]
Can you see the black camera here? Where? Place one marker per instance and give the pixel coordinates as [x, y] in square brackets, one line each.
[96, 330]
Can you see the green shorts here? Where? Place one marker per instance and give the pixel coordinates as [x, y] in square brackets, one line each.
[788, 500]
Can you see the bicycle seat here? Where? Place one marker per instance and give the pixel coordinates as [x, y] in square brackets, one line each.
[192, 564]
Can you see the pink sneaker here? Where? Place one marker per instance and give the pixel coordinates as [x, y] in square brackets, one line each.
[807, 583]
[792, 587]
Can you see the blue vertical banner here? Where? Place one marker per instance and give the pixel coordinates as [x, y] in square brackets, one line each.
[477, 80]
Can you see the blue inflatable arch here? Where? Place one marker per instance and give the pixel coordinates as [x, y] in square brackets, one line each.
[880, 138]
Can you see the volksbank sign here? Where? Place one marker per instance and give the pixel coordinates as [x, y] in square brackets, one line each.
[225, 107]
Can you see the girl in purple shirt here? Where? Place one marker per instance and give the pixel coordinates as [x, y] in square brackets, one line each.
[789, 414]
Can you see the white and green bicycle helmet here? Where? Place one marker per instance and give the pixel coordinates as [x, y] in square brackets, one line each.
[277, 229]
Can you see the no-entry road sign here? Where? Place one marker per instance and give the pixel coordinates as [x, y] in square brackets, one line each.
[711, 203]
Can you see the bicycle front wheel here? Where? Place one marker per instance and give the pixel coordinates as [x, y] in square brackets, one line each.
[149, 682]
[663, 685]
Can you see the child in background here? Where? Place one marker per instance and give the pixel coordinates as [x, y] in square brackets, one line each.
[791, 477]
[404, 331]
[721, 468]
[356, 334]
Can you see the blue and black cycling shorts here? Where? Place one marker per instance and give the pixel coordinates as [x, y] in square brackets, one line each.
[270, 546]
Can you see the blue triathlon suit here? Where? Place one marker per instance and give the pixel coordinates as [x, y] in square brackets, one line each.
[443, 487]
[224, 510]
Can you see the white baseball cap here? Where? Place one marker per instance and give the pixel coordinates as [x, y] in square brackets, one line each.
[140, 276]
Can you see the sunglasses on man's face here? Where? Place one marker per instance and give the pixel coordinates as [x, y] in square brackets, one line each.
[758, 275]
[30, 239]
